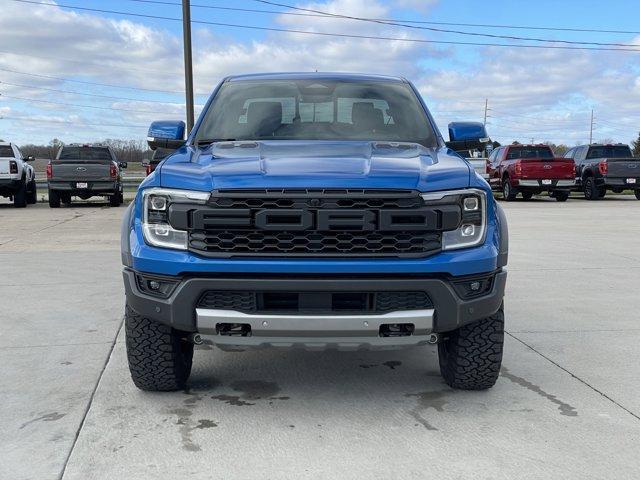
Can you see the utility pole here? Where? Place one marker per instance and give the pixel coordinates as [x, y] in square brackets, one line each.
[188, 62]
[591, 129]
[486, 105]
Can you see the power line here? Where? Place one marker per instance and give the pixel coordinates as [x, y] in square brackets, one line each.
[72, 92]
[85, 82]
[442, 30]
[335, 35]
[79, 105]
[86, 61]
[402, 20]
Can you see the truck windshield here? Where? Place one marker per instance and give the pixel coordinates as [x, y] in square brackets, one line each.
[618, 151]
[97, 154]
[529, 152]
[316, 110]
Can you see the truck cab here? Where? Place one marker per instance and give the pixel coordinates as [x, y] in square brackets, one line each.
[85, 171]
[529, 170]
[601, 167]
[313, 211]
[17, 177]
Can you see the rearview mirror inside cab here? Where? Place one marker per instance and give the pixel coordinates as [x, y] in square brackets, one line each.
[166, 134]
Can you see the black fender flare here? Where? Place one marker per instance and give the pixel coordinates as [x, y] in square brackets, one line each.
[125, 230]
[503, 251]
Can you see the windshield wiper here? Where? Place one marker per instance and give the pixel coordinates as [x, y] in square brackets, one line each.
[209, 141]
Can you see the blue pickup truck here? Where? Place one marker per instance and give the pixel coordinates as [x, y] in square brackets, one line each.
[319, 211]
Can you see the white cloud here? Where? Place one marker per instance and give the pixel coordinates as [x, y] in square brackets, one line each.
[543, 93]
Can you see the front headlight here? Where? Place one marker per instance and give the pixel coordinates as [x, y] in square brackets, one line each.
[156, 228]
[472, 228]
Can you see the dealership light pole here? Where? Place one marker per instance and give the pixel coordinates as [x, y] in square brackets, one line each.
[188, 62]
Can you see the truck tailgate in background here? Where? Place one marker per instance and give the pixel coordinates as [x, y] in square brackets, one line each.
[548, 168]
[79, 170]
[623, 167]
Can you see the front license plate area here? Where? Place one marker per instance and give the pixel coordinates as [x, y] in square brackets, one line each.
[82, 185]
[546, 182]
[631, 180]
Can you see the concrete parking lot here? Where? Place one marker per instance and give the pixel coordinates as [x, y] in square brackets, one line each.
[567, 404]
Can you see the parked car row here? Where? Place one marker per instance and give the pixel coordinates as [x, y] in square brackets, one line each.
[85, 171]
[529, 170]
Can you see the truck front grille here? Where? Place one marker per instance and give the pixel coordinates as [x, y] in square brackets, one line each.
[314, 302]
[315, 223]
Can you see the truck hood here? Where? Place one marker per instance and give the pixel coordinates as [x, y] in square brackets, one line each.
[314, 164]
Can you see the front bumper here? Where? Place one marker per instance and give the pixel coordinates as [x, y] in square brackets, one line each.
[179, 308]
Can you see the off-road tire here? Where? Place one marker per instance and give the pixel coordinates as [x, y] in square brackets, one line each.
[591, 191]
[159, 357]
[54, 199]
[508, 192]
[561, 196]
[32, 195]
[637, 193]
[470, 357]
[20, 197]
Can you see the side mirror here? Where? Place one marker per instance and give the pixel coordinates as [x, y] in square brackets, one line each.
[166, 134]
[466, 137]
[122, 164]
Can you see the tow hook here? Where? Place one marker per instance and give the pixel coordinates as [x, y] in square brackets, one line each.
[195, 338]
[434, 338]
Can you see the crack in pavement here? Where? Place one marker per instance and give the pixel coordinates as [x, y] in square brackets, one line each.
[584, 382]
[90, 402]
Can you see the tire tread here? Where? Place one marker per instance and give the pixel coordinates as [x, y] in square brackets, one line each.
[159, 358]
[471, 356]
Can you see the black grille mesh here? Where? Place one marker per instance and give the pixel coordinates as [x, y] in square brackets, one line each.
[394, 301]
[313, 242]
[228, 300]
[370, 302]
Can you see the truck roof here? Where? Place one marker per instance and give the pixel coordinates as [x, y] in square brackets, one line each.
[317, 76]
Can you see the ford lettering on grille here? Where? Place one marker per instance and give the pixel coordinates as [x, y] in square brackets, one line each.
[315, 225]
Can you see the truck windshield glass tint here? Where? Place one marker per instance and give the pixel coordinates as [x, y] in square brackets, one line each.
[611, 152]
[529, 152]
[316, 110]
[85, 153]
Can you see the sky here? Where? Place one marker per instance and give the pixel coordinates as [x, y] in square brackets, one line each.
[51, 57]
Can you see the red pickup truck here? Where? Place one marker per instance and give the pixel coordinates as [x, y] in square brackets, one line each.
[530, 170]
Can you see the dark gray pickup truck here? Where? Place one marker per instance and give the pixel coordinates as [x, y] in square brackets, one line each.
[605, 167]
[85, 171]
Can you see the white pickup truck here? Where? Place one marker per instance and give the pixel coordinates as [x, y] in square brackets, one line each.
[17, 177]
